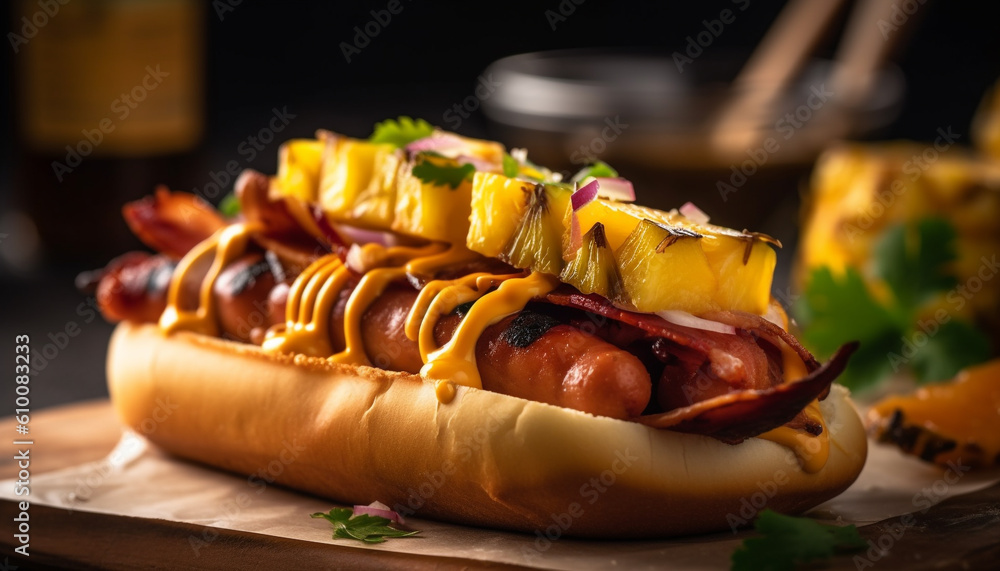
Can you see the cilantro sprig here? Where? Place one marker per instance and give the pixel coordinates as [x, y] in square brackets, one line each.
[599, 169]
[443, 174]
[401, 131]
[914, 261]
[364, 527]
[510, 166]
[787, 541]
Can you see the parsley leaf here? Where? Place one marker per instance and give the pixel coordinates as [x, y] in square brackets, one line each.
[401, 132]
[914, 261]
[230, 205]
[790, 541]
[598, 169]
[366, 528]
[510, 166]
[952, 348]
[839, 310]
[441, 175]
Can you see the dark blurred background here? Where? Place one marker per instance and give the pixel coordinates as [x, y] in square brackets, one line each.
[233, 68]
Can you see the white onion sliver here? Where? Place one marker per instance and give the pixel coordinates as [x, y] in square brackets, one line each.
[694, 214]
[362, 236]
[685, 319]
[585, 194]
[616, 189]
[379, 505]
[379, 512]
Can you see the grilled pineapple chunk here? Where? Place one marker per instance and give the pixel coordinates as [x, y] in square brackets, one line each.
[358, 181]
[428, 210]
[664, 267]
[299, 164]
[593, 269]
[522, 223]
[744, 280]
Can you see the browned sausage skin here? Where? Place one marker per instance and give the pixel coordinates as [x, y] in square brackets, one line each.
[569, 367]
[241, 294]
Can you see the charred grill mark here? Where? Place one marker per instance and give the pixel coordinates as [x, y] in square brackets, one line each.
[463, 309]
[752, 237]
[600, 239]
[675, 234]
[248, 277]
[915, 439]
[527, 327]
[159, 278]
[535, 198]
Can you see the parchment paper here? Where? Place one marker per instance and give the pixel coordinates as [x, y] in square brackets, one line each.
[138, 480]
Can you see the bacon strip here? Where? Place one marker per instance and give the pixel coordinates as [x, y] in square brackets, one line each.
[702, 341]
[172, 222]
[760, 401]
[737, 416]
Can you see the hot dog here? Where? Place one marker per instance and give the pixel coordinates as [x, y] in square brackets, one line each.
[317, 286]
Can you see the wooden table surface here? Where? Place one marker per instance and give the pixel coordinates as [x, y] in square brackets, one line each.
[71, 435]
[961, 533]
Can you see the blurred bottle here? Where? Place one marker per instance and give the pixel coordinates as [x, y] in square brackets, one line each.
[109, 104]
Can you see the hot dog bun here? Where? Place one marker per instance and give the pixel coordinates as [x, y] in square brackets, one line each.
[359, 434]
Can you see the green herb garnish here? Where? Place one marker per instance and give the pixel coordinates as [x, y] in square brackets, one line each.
[401, 131]
[366, 528]
[790, 541]
[229, 206]
[510, 166]
[452, 175]
[599, 169]
[913, 260]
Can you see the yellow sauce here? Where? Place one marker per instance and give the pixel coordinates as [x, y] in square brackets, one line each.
[428, 265]
[307, 311]
[456, 361]
[811, 451]
[440, 297]
[316, 289]
[225, 245]
[370, 287]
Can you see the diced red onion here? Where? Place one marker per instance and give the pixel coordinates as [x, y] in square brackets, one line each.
[378, 509]
[694, 214]
[685, 319]
[616, 189]
[585, 194]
